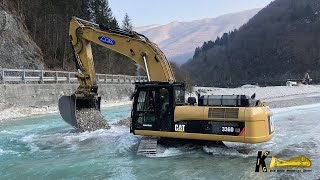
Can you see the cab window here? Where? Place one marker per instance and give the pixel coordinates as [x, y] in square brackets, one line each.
[179, 96]
[146, 110]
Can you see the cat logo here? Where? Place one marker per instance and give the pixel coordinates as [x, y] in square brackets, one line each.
[179, 127]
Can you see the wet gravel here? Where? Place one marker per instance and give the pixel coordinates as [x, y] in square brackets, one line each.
[90, 119]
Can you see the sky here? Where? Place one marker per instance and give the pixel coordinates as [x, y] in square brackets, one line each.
[147, 12]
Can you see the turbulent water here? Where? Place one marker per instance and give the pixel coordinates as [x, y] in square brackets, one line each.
[47, 148]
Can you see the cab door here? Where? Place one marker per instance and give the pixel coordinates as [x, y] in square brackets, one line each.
[165, 110]
[144, 110]
[153, 109]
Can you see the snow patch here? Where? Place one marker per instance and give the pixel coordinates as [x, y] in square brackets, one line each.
[261, 92]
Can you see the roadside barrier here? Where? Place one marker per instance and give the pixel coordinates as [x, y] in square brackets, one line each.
[28, 76]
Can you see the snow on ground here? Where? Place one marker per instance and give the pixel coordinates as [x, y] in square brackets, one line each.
[263, 93]
[275, 96]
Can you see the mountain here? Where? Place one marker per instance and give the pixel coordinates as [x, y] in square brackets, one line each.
[145, 28]
[178, 40]
[281, 42]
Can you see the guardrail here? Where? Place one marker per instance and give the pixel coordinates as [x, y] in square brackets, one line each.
[28, 76]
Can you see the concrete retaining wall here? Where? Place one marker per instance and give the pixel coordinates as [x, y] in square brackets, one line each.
[39, 95]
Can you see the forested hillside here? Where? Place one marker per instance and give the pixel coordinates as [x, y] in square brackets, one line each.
[47, 22]
[179, 39]
[281, 42]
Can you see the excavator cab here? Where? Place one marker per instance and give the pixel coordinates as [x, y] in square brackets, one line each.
[153, 106]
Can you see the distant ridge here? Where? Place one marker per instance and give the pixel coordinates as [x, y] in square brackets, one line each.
[179, 39]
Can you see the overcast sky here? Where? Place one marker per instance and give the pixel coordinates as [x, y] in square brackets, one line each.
[146, 12]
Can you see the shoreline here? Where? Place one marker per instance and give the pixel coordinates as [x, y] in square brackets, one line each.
[14, 113]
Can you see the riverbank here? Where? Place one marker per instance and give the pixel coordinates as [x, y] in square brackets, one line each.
[21, 112]
[22, 100]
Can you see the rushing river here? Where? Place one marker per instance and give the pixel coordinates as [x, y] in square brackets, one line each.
[47, 148]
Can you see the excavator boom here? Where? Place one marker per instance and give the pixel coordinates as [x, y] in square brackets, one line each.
[129, 43]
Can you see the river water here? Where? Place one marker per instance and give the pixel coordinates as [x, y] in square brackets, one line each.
[47, 148]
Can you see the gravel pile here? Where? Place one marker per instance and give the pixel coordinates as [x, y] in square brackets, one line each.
[90, 119]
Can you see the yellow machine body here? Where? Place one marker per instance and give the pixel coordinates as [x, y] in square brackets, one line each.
[258, 123]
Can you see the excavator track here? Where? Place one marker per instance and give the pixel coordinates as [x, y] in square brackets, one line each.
[148, 147]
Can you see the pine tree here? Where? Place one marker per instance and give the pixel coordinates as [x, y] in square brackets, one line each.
[100, 11]
[48, 24]
[114, 23]
[197, 52]
[127, 23]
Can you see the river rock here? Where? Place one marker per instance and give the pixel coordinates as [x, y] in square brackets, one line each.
[90, 119]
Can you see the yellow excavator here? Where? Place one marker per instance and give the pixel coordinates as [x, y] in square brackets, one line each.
[159, 107]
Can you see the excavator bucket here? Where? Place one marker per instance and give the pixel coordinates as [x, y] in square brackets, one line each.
[69, 106]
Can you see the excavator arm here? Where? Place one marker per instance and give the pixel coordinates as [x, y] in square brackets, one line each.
[128, 43]
[131, 44]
